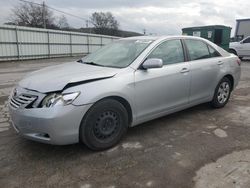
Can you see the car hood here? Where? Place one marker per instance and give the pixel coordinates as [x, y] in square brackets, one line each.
[55, 78]
[234, 43]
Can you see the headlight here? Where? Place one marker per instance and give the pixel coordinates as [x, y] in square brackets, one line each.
[56, 99]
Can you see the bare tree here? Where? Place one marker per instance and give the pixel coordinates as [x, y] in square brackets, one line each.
[104, 23]
[62, 22]
[33, 15]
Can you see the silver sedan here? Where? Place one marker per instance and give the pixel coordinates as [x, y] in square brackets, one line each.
[126, 83]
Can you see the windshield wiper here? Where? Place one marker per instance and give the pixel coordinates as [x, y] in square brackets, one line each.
[93, 63]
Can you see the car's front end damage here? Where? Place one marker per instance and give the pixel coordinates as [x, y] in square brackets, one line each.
[57, 124]
[41, 106]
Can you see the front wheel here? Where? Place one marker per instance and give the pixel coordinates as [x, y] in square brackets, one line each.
[104, 124]
[222, 93]
[233, 52]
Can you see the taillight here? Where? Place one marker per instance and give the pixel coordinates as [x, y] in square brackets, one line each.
[239, 62]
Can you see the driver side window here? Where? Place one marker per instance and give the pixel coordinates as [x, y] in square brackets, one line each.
[170, 52]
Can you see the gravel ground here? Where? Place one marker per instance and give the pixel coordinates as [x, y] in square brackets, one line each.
[198, 147]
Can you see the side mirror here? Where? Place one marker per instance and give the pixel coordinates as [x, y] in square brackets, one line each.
[152, 63]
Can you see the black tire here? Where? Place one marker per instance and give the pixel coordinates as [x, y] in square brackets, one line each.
[221, 94]
[104, 125]
[233, 52]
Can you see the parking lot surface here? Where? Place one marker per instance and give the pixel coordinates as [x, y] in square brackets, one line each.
[198, 147]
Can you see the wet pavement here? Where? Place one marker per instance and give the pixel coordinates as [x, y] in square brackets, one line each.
[198, 147]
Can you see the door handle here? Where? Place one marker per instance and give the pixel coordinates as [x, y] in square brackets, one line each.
[184, 70]
[220, 62]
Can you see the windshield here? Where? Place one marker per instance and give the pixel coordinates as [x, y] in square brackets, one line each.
[118, 54]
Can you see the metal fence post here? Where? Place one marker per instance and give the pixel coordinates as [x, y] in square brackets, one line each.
[88, 44]
[17, 45]
[48, 35]
[71, 47]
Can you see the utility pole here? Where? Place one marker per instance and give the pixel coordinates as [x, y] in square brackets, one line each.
[87, 24]
[44, 19]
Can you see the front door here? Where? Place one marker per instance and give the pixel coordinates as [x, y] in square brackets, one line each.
[161, 89]
[244, 49]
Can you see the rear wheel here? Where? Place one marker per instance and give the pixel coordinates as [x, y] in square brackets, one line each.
[104, 124]
[222, 93]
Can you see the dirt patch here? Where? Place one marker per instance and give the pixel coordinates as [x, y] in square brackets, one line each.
[230, 171]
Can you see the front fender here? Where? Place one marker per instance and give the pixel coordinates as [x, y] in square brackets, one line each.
[234, 49]
[119, 86]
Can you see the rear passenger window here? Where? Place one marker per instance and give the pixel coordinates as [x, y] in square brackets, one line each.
[213, 52]
[197, 49]
[170, 52]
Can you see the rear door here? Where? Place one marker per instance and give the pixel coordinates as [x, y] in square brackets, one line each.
[205, 63]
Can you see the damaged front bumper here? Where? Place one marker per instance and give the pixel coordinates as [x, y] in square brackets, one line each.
[58, 125]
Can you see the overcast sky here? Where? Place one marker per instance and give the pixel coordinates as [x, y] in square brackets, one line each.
[162, 17]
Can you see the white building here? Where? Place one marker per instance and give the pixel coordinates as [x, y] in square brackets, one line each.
[242, 29]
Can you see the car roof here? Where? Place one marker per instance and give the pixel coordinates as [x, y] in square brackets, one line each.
[157, 39]
[161, 37]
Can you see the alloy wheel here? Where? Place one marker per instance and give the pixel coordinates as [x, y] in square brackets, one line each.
[223, 92]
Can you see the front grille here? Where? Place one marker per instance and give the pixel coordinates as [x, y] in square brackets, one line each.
[22, 100]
